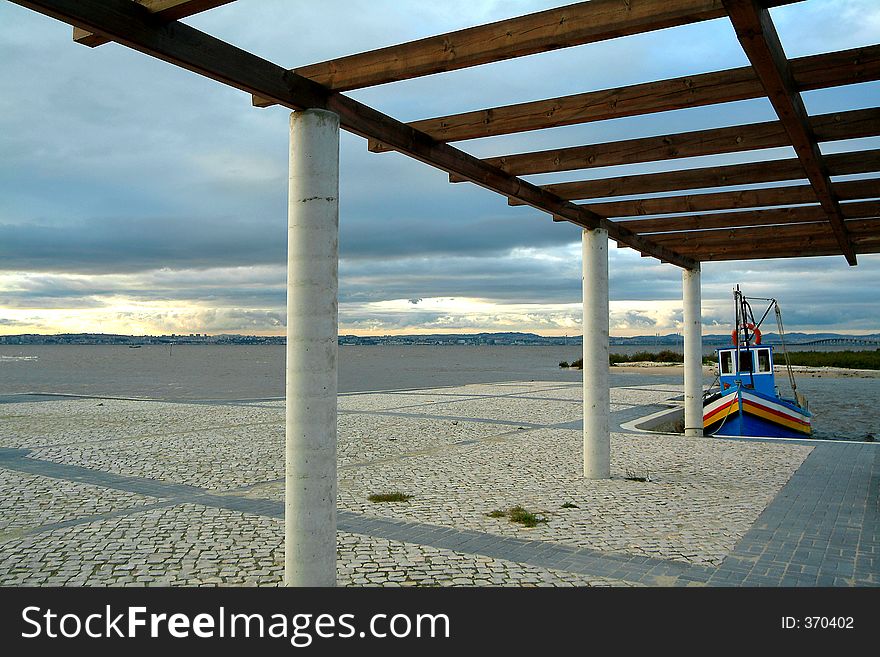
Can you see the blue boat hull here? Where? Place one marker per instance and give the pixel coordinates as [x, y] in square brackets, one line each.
[742, 412]
[742, 424]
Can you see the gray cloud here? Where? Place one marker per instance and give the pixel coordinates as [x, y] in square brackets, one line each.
[161, 186]
[635, 320]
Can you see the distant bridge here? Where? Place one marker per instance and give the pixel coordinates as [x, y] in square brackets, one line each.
[840, 341]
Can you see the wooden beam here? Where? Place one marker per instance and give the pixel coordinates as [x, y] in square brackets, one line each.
[572, 25]
[827, 127]
[813, 72]
[812, 252]
[757, 34]
[759, 235]
[826, 246]
[801, 214]
[132, 25]
[768, 253]
[169, 10]
[778, 244]
[735, 174]
[749, 198]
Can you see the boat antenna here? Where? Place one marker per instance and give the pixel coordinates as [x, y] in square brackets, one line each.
[774, 305]
[784, 350]
[736, 325]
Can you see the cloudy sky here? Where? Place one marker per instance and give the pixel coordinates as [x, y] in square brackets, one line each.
[136, 197]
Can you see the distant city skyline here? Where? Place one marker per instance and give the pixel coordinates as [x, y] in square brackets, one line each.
[138, 198]
[351, 338]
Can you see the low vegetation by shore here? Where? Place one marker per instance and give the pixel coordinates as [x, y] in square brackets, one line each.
[664, 356]
[856, 360]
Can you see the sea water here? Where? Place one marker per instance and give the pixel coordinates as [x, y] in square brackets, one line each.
[844, 408]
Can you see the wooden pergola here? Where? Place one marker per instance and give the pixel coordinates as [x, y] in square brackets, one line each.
[832, 218]
[819, 218]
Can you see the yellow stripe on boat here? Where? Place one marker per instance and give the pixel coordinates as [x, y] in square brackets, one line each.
[719, 414]
[791, 423]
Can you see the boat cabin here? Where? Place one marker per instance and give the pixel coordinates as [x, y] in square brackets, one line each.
[753, 369]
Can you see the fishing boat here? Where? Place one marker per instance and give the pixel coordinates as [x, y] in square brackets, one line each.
[747, 401]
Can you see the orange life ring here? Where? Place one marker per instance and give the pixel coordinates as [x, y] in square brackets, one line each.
[751, 327]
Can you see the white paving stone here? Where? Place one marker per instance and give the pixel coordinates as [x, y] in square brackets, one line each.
[702, 496]
[192, 545]
[29, 501]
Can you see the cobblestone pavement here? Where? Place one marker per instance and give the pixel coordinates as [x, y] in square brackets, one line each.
[130, 493]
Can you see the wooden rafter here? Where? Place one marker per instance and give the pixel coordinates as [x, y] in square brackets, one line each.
[773, 216]
[735, 174]
[809, 240]
[764, 252]
[813, 72]
[758, 235]
[827, 127]
[748, 198]
[169, 10]
[563, 27]
[757, 34]
[795, 243]
[788, 248]
[134, 26]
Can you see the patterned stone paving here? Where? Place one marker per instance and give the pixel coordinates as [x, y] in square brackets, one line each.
[130, 493]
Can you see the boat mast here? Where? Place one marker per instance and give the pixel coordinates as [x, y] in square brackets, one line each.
[736, 338]
[744, 318]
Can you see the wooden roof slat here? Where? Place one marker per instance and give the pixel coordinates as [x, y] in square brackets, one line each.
[757, 34]
[792, 244]
[715, 141]
[170, 10]
[735, 174]
[563, 27]
[801, 214]
[790, 248]
[771, 253]
[749, 198]
[763, 234]
[813, 72]
[132, 25]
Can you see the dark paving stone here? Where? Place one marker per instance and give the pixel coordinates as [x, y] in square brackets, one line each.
[817, 524]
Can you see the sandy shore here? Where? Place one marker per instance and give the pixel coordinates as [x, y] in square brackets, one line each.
[660, 369]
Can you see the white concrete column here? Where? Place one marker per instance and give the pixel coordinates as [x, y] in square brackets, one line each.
[597, 399]
[693, 353]
[312, 326]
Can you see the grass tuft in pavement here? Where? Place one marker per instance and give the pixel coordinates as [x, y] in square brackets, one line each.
[389, 497]
[518, 515]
